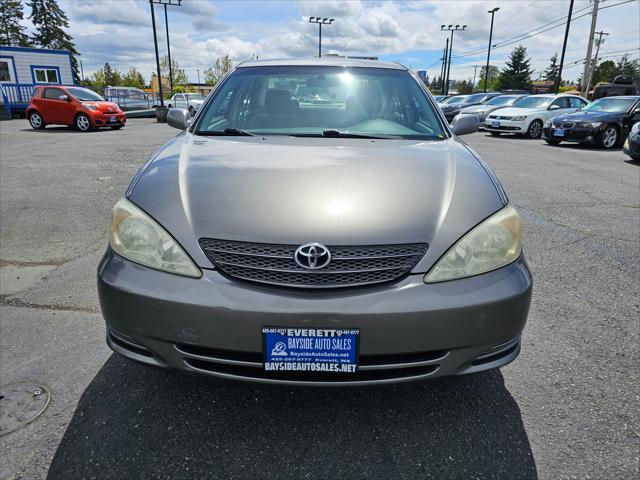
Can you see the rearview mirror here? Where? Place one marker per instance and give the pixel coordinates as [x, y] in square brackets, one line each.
[554, 107]
[464, 124]
[179, 118]
[64, 98]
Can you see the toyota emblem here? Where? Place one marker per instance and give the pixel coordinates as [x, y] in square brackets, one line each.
[312, 256]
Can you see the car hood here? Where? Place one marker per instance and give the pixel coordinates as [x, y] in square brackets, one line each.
[514, 111]
[291, 190]
[588, 116]
[105, 107]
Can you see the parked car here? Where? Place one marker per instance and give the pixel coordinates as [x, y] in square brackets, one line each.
[76, 107]
[528, 117]
[605, 122]
[130, 98]
[622, 85]
[188, 101]
[481, 111]
[346, 243]
[441, 98]
[452, 109]
[632, 144]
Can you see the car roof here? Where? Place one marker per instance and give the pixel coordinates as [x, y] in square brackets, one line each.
[324, 61]
[625, 97]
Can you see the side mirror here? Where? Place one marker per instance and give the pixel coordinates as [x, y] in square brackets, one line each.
[179, 118]
[464, 124]
[554, 107]
[64, 98]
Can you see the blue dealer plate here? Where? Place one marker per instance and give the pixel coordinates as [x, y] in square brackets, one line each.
[558, 132]
[322, 350]
[495, 124]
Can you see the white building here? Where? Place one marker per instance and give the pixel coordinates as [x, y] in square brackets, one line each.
[22, 68]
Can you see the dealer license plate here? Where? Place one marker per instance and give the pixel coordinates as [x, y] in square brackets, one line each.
[312, 350]
[558, 132]
[113, 119]
[495, 124]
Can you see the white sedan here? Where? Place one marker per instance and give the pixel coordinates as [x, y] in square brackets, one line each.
[532, 112]
[188, 101]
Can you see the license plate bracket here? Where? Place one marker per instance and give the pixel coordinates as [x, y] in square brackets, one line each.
[558, 132]
[310, 350]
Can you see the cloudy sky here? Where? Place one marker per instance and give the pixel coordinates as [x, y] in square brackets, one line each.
[119, 31]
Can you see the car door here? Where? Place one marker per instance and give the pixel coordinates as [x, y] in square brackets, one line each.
[54, 110]
[576, 103]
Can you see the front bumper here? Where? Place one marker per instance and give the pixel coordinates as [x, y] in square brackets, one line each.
[101, 119]
[574, 134]
[506, 126]
[632, 149]
[409, 330]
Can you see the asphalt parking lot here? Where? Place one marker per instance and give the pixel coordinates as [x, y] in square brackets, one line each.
[566, 408]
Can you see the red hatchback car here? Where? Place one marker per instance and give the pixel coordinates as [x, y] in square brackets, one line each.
[77, 107]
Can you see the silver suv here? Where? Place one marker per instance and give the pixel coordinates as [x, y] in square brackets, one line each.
[350, 241]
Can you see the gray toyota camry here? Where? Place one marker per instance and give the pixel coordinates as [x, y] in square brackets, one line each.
[281, 239]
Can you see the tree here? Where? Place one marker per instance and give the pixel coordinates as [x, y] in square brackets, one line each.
[517, 72]
[551, 72]
[133, 78]
[11, 32]
[493, 78]
[50, 21]
[107, 75]
[180, 77]
[625, 67]
[220, 67]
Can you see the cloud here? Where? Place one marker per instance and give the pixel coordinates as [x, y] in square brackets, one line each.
[108, 12]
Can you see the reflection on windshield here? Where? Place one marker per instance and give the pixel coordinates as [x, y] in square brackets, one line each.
[502, 100]
[323, 101]
[611, 105]
[84, 94]
[534, 102]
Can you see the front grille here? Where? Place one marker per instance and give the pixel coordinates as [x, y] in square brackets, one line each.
[350, 265]
[498, 117]
[568, 124]
[249, 365]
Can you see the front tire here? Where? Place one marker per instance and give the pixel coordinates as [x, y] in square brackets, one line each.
[36, 121]
[535, 129]
[83, 123]
[609, 138]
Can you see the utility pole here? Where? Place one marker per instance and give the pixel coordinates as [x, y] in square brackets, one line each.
[594, 62]
[166, 26]
[587, 61]
[486, 71]
[473, 84]
[320, 21]
[444, 63]
[451, 28]
[564, 48]
[155, 44]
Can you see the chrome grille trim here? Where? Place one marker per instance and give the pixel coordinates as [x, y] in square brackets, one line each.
[350, 265]
[568, 124]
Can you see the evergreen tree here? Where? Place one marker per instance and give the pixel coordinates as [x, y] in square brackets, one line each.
[220, 67]
[493, 78]
[517, 72]
[50, 22]
[625, 67]
[11, 32]
[551, 72]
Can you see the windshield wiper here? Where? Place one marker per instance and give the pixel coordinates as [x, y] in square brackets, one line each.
[338, 133]
[230, 132]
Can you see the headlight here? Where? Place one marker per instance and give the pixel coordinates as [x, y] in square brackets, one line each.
[635, 131]
[494, 243]
[548, 123]
[137, 237]
[519, 118]
[90, 107]
[590, 124]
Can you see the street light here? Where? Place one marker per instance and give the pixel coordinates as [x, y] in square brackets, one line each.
[155, 41]
[486, 70]
[320, 21]
[450, 28]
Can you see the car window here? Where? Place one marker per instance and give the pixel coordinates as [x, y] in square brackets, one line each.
[367, 101]
[576, 102]
[84, 94]
[562, 102]
[610, 104]
[534, 101]
[180, 97]
[53, 93]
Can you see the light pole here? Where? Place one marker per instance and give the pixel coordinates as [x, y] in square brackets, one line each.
[320, 21]
[198, 70]
[444, 64]
[486, 70]
[564, 48]
[155, 41]
[450, 28]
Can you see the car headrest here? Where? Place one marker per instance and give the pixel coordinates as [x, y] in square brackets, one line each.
[277, 101]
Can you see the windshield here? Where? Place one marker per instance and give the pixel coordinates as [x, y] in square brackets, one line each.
[452, 100]
[195, 96]
[83, 94]
[477, 98]
[611, 105]
[533, 101]
[503, 100]
[284, 100]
